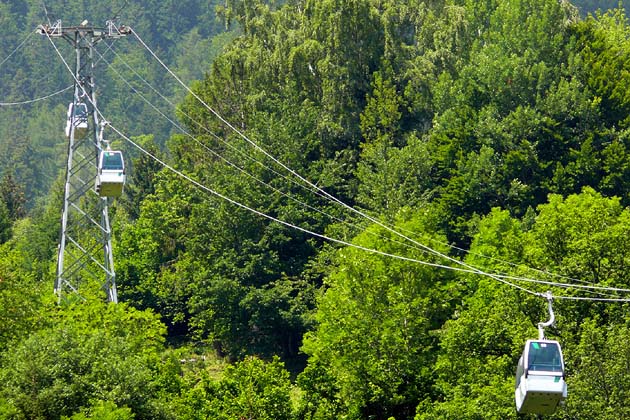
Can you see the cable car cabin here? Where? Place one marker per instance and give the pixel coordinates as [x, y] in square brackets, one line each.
[77, 120]
[540, 385]
[111, 174]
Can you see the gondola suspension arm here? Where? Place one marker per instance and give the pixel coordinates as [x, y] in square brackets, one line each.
[552, 317]
[101, 139]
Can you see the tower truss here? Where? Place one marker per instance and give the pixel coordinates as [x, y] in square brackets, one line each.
[85, 256]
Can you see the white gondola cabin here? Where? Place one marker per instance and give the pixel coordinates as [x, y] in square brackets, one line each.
[77, 120]
[110, 179]
[540, 385]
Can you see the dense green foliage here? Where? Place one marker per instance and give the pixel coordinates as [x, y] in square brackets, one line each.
[498, 127]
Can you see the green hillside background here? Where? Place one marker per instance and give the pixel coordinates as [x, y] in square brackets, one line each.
[417, 135]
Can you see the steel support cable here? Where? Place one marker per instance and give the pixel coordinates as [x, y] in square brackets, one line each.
[591, 299]
[36, 99]
[510, 263]
[473, 270]
[291, 171]
[230, 126]
[18, 47]
[218, 155]
[564, 285]
[292, 226]
[117, 14]
[239, 168]
[229, 145]
[242, 135]
[218, 138]
[234, 202]
[317, 191]
[242, 170]
[600, 294]
[109, 48]
[346, 243]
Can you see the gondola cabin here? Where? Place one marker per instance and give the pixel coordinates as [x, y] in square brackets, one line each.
[77, 120]
[540, 385]
[110, 179]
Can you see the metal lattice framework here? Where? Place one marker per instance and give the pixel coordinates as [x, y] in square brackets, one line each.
[85, 249]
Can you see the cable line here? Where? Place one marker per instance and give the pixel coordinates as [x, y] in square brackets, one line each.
[306, 205]
[232, 147]
[230, 126]
[360, 247]
[288, 224]
[117, 14]
[256, 146]
[18, 47]
[373, 220]
[46, 13]
[592, 299]
[218, 138]
[564, 285]
[316, 190]
[243, 170]
[510, 263]
[468, 267]
[36, 99]
[228, 162]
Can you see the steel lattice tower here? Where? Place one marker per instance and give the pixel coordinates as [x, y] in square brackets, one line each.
[85, 250]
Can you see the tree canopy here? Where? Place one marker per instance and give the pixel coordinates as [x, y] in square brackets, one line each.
[352, 214]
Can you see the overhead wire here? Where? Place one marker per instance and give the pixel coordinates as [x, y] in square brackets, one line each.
[214, 153]
[117, 14]
[46, 13]
[566, 285]
[510, 263]
[316, 234]
[28, 36]
[242, 135]
[231, 147]
[591, 299]
[239, 168]
[109, 48]
[236, 130]
[30, 101]
[258, 147]
[227, 161]
[228, 144]
[346, 243]
[306, 205]
[257, 212]
[590, 287]
[474, 270]
[280, 221]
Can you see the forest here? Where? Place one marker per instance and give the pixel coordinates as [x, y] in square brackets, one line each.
[335, 209]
